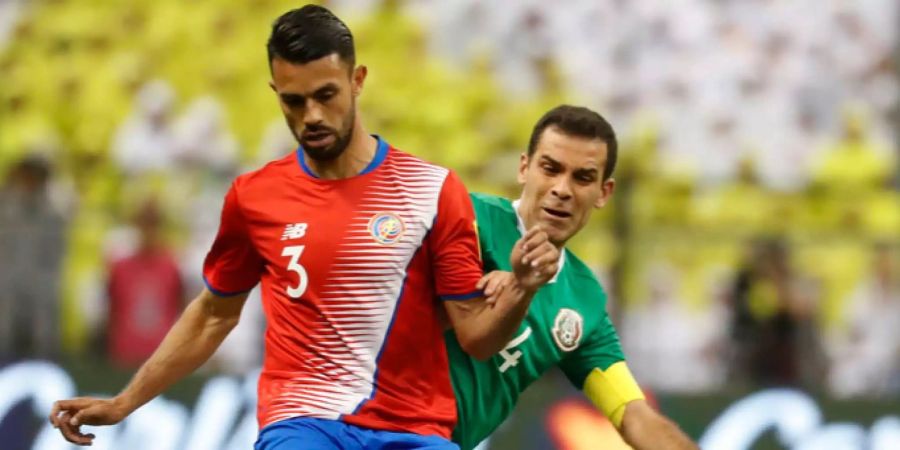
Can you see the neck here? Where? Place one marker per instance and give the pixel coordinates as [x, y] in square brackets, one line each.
[353, 160]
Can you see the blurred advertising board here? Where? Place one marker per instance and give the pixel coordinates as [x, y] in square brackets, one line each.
[218, 413]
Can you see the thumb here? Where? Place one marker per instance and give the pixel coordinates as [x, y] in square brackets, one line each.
[85, 416]
[77, 419]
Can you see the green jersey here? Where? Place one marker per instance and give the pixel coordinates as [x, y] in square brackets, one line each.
[566, 326]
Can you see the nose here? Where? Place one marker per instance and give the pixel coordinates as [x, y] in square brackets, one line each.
[561, 189]
[313, 114]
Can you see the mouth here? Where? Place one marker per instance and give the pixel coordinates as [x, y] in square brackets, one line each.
[318, 139]
[559, 214]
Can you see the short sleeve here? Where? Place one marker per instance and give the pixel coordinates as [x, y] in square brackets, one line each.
[600, 350]
[454, 241]
[232, 266]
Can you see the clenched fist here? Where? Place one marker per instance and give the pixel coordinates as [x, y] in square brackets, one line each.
[534, 259]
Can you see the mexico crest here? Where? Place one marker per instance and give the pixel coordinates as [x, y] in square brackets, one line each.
[567, 329]
[386, 228]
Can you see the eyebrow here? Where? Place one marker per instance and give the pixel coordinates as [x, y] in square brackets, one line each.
[545, 158]
[587, 170]
[286, 96]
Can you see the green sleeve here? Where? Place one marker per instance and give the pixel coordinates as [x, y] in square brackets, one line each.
[600, 349]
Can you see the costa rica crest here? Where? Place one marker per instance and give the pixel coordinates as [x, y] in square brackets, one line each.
[567, 329]
[386, 228]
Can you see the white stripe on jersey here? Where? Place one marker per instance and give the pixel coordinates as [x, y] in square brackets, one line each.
[360, 295]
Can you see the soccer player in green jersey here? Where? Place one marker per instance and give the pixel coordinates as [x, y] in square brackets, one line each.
[566, 174]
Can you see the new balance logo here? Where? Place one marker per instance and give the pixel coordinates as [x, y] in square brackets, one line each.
[294, 231]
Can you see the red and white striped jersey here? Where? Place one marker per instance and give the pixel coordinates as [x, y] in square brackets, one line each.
[352, 271]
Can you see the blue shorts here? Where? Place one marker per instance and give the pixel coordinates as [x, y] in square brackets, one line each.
[321, 434]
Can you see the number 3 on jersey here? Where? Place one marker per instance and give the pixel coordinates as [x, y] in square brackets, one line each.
[294, 252]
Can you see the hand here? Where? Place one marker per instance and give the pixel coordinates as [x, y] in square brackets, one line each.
[534, 259]
[69, 415]
[494, 283]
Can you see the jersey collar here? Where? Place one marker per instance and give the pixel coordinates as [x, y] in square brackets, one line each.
[381, 152]
[521, 226]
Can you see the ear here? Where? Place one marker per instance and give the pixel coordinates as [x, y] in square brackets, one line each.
[523, 168]
[607, 191]
[359, 79]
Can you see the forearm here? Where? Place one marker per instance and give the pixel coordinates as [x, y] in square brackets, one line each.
[665, 436]
[494, 325]
[655, 433]
[191, 342]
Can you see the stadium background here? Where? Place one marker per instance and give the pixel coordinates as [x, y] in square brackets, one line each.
[752, 242]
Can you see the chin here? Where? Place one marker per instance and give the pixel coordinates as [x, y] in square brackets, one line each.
[322, 154]
[557, 237]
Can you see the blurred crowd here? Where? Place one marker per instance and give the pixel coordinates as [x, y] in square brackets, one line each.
[754, 237]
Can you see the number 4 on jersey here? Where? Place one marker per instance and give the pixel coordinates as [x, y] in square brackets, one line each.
[294, 252]
[512, 359]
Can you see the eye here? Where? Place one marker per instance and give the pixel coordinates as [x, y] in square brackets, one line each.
[549, 168]
[293, 101]
[585, 176]
[324, 97]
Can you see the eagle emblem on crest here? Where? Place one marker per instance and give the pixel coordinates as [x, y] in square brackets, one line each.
[567, 329]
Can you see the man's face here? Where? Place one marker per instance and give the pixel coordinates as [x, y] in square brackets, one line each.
[318, 100]
[562, 183]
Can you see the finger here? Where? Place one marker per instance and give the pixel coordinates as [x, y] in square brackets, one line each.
[490, 287]
[523, 241]
[500, 281]
[491, 299]
[543, 255]
[80, 418]
[54, 412]
[73, 433]
[498, 285]
[535, 240]
[494, 285]
[481, 282]
[484, 282]
[529, 248]
[551, 270]
[60, 406]
[538, 257]
[73, 403]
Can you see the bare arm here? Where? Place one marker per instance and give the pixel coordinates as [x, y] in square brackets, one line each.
[615, 392]
[484, 325]
[196, 335]
[644, 429]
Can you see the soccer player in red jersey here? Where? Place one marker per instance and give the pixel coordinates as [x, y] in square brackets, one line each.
[354, 242]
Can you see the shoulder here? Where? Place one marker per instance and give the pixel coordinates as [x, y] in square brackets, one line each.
[491, 203]
[275, 172]
[491, 208]
[400, 160]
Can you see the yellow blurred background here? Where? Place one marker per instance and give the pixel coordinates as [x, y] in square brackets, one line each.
[710, 184]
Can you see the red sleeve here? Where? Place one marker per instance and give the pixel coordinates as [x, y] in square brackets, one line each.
[455, 256]
[232, 265]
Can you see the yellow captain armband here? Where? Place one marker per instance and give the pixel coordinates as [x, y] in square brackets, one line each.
[611, 389]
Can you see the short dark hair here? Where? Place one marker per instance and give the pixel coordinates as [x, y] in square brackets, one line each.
[581, 122]
[309, 33]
